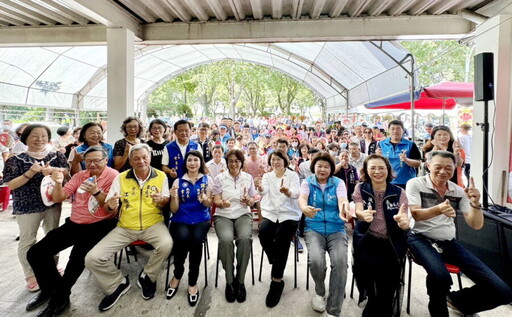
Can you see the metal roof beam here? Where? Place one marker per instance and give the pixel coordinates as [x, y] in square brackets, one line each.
[337, 8]
[277, 9]
[28, 12]
[53, 35]
[257, 9]
[297, 8]
[344, 29]
[217, 9]
[106, 13]
[29, 4]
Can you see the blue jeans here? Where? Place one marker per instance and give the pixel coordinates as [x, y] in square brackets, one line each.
[336, 244]
[488, 292]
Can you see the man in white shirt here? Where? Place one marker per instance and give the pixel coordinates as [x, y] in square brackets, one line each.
[356, 158]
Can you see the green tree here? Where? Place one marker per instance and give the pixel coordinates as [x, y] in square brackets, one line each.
[439, 61]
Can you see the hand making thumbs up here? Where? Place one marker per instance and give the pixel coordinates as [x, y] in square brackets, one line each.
[447, 209]
[283, 189]
[345, 211]
[401, 218]
[367, 214]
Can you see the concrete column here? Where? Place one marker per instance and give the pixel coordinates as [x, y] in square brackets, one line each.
[120, 80]
[495, 36]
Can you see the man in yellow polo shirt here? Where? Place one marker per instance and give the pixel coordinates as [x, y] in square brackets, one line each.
[138, 195]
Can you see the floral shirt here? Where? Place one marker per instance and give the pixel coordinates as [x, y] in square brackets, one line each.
[27, 198]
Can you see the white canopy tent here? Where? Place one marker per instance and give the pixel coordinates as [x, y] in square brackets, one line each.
[343, 74]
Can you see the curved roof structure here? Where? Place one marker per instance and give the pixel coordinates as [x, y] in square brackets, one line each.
[344, 74]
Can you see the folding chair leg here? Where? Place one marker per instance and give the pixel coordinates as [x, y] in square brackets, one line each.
[217, 270]
[353, 282]
[261, 265]
[295, 260]
[408, 309]
[207, 247]
[252, 266]
[307, 274]
[205, 251]
[460, 281]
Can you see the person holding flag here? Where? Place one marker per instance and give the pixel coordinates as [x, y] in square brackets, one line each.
[234, 195]
[280, 211]
[191, 198]
[380, 236]
[323, 199]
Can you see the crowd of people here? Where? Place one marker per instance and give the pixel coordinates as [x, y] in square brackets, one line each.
[166, 185]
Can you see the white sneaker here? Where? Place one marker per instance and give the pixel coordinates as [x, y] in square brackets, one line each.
[318, 303]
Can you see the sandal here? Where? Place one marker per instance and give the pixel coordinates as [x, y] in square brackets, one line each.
[32, 285]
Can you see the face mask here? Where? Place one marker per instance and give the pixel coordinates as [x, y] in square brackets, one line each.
[294, 144]
[343, 145]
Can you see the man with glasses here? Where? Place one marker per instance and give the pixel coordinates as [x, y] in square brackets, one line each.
[139, 193]
[204, 141]
[434, 202]
[88, 224]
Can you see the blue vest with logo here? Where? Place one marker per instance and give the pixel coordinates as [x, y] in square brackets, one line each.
[191, 211]
[397, 236]
[327, 220]
[403, 171]
[176, 160]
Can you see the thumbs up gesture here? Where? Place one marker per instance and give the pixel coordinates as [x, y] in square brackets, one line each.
[401, 218]
[447, 209]
[345, 211]
[367, 214]
[202, 197]
[113, 202]
[156, 196]
[473, 193]
[283, 189]
[403, 156]
[173, 173]
[245, 197]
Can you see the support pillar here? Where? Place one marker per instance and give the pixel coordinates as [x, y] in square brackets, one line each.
[120, 80]
[495, 36]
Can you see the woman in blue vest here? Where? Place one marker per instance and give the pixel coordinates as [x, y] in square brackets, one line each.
[380, 235]
[191, 198]
[323, 199]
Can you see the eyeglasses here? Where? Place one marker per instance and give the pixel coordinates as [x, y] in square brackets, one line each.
[234, 161]
[95, 161]
[128, 127]
[367, 131]
[157, 128]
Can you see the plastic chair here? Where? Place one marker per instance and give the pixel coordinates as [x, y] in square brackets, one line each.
[217, 267]
[453, 269]
[206, 257]
[295, 258]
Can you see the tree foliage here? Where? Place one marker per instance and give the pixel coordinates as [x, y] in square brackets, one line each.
[439, 61]
[231, 88]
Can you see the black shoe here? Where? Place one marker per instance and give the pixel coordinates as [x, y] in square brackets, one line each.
[39, 299]
[274, 293]
[230, 292]
[193, 298]
[171, 291]
[148, 287]
[53, 309]
[241, 294]
[110, 300]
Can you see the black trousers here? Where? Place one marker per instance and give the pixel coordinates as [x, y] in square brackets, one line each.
[83, 237]
[377, 271]
[188, 239]
[275, 239]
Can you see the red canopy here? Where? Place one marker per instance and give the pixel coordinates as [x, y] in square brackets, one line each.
[450, 90]
[423, 103]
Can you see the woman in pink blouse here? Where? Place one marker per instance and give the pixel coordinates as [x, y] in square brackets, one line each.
[380, 236]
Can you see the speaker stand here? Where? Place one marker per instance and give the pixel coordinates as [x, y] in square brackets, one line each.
[485, 129]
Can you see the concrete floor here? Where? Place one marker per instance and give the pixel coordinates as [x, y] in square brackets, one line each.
[86, 294]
